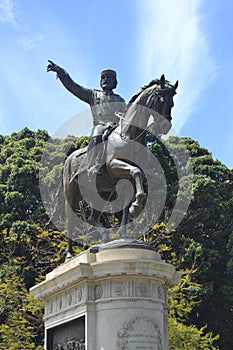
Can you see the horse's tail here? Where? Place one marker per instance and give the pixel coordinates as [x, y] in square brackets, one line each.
[58, 213]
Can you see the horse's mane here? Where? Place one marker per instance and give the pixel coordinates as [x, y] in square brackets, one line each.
[153, 82]
[166, 86]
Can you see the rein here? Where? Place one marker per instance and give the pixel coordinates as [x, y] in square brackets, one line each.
[123, 137]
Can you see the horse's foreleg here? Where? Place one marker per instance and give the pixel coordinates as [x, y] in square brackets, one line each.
[122, 170]
[94, 221]
[136, 206]
[124, 221]
[137, 175]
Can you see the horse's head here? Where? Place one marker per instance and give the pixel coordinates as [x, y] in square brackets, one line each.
[158, 97]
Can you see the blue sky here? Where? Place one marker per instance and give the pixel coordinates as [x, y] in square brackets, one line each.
[187, 40]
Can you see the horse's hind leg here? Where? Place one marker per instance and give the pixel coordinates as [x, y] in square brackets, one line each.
[95, 216]
[70, 229]
[72, 196]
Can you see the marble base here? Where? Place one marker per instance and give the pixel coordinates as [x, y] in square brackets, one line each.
[112, 298]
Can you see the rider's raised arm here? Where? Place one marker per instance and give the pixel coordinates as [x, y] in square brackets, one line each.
[79, 91]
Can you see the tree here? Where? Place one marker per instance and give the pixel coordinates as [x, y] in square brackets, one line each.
[203, 242]
[28, 248]
[21, 325]
[206, 233]
[182, 300]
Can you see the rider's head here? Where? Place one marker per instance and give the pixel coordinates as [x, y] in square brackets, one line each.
[108, 79]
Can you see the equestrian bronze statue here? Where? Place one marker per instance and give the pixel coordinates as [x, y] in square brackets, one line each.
[124, 156]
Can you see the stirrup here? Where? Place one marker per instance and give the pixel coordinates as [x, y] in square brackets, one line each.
[95, 170]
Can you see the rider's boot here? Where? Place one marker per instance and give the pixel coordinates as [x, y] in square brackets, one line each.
[94, 155]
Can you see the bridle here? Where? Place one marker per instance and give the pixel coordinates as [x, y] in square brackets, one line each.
[123, 137]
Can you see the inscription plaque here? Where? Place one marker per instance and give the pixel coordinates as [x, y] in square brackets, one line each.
[139, 333]
[68, 336]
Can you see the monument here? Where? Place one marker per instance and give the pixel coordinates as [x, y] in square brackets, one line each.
[112, 296]
[111, 299]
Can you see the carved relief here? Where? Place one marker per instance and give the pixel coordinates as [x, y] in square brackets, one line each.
[98, 292]
[71, 344]
[120, 288]
[154, 290]
[79, 294]
[138, 288]
[60, 303]
[50, 307]
[116, 288]
[160, 292]
[66, 300]
[142, 288]
[69, 299]
[140, 332]
[67, 336]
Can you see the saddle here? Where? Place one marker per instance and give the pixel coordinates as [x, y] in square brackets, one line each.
[110, 126]
[108, 129]
[79, 161]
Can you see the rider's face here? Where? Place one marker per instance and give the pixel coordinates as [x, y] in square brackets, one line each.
[108, 82]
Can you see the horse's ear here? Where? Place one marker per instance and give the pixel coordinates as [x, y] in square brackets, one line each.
[176, 85]
[162, 81]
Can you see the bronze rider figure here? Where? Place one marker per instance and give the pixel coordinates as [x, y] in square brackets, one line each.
[104, 104]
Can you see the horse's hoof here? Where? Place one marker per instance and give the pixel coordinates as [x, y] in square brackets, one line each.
[140, 197]
[135, 210]
[124, 236]
[68, 256]
[105, 238]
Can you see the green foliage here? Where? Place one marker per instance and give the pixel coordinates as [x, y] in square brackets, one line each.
[28, 248]
[209, 223]
[182, 300]
[183, 337]
[21, 323]
[203, 242]
[184, 297]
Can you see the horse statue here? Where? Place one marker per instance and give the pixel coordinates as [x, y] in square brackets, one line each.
[121, 154]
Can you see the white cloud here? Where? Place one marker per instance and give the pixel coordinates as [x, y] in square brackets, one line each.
[29, 44]
[172, 41]
[8, 12]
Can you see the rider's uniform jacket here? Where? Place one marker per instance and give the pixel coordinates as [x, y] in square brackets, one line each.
[103, 104]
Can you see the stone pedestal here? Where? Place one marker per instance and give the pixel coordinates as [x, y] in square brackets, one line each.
[111, 299]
